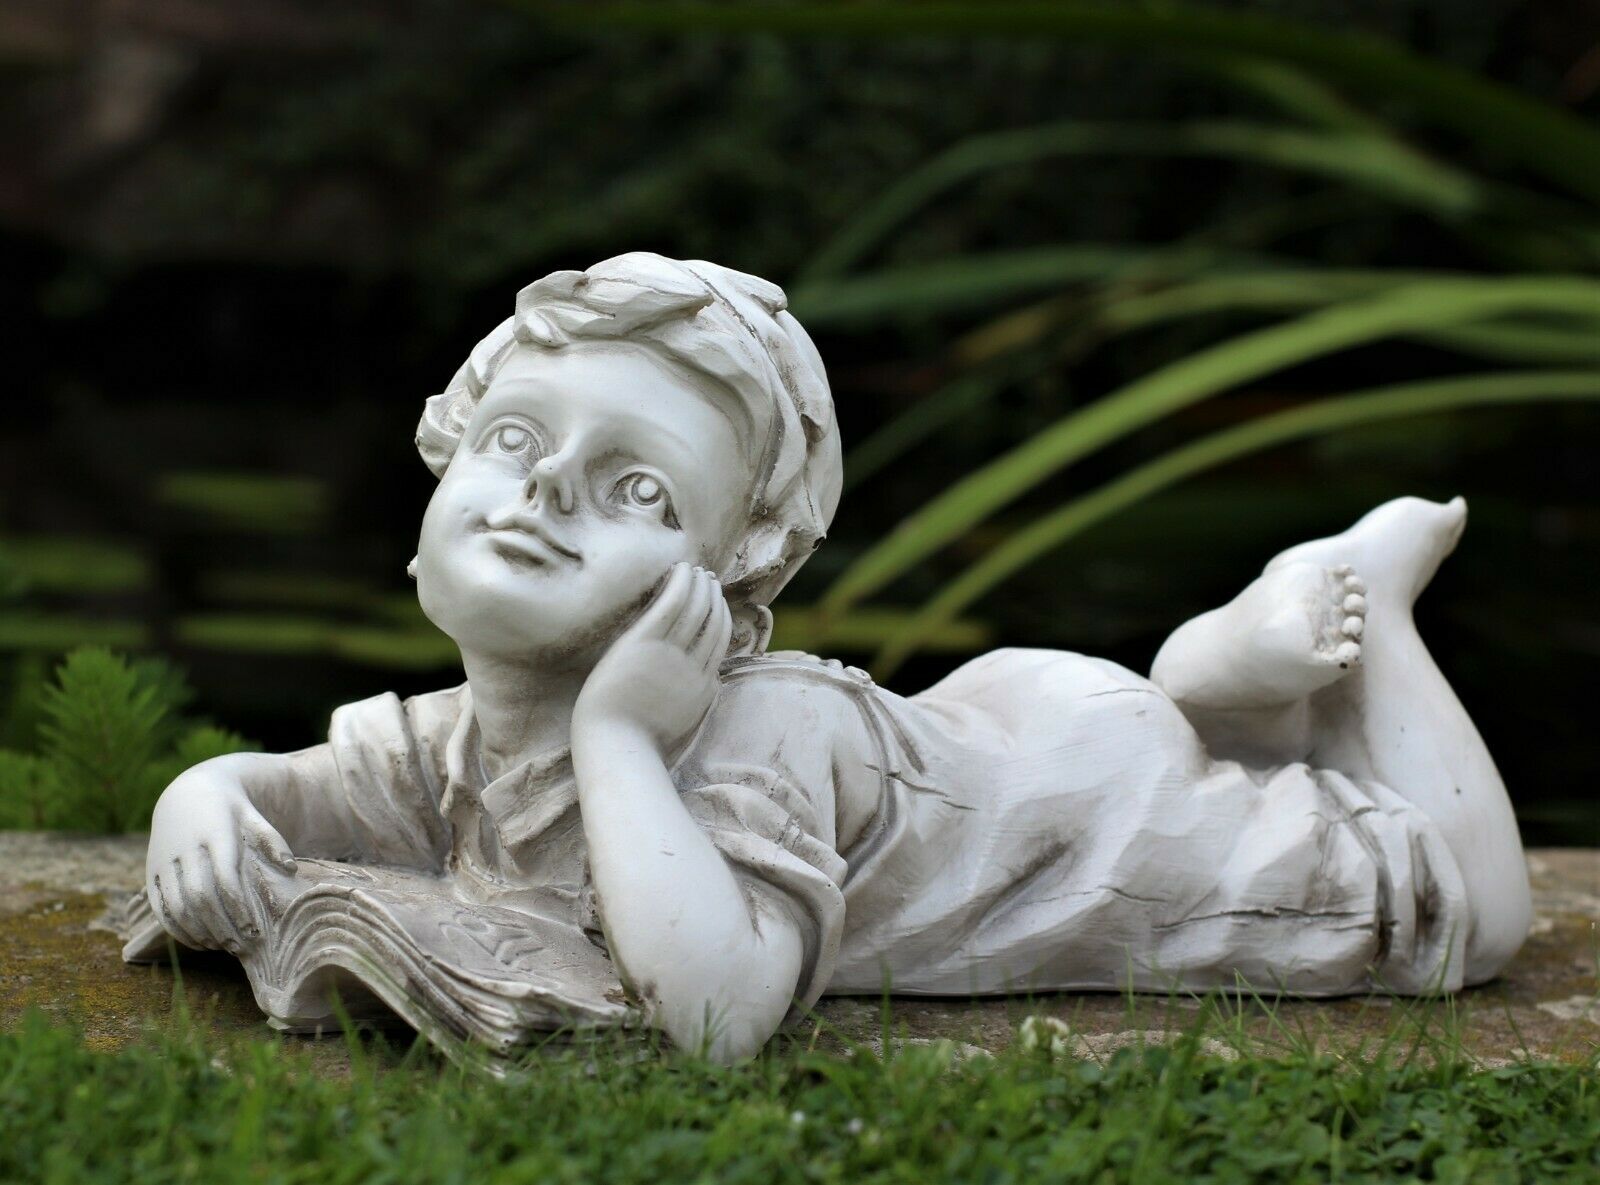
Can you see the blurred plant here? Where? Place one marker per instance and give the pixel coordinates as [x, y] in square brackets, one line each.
[275, 503]
[109, 734]
[1534, 230]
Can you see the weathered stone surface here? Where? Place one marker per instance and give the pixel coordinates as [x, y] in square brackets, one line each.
[54, 889]
[55, 955]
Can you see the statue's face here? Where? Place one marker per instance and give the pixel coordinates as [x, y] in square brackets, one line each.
[583, 476]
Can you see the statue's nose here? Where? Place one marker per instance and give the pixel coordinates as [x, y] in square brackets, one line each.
[548, 482]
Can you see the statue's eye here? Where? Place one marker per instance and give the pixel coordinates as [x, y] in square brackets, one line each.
[643, 490]
[509, 438]
[646, 492]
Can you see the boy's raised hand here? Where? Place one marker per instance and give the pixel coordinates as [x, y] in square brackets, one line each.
[659, 677]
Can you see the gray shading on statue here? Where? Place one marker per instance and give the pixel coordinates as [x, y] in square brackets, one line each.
[631, 813]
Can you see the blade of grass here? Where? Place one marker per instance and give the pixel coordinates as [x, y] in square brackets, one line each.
[1323, 416]
[1550, 343]
[968, 282]
[55, 563]
[1292, 92]
[1107, 315]
[1407, 309]
[270, 503]
[1368, 161]
[1124, 309]
[1551, 142]
[26, 630]
[1024, 326]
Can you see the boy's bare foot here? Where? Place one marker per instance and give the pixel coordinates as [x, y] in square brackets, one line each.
[1295, 629]
[1397, 547]
[1303, 624]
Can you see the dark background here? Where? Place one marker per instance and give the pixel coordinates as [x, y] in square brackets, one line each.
[241, 244]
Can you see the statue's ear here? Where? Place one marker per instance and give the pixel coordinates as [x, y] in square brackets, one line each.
[752, 628]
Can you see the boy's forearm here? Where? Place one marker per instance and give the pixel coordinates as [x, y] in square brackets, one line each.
[681, 930]
[293, 792]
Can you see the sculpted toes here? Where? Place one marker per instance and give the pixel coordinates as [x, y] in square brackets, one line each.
[1351, 595]
[1344, 620]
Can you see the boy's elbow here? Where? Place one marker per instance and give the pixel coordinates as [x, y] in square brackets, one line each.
[725, 1013]
[724, 1035]
[726, 1003]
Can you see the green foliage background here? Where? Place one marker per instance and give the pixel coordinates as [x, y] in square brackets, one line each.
[97, 743]
[1117, 301]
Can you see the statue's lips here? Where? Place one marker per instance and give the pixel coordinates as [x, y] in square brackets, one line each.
[531, 547]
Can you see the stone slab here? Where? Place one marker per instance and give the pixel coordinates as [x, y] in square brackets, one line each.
[55, 955]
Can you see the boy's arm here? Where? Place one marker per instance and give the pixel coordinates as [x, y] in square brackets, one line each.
[216, 814]
[299, 794]
[714, 968]
[371, 794]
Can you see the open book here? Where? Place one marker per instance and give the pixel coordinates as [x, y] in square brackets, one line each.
[373, 943]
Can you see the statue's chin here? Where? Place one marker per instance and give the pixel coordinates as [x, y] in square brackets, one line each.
[489, 621]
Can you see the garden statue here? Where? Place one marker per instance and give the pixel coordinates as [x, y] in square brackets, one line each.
[631, 813]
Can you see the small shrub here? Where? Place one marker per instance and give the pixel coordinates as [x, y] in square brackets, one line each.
[110, 735]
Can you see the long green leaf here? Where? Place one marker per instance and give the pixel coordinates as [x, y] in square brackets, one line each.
[1551, 142]
[1292, 92]
[1117, 311]
[1373, 162]
[1549, 344]
[1323, 416]
[971, 281]
[1402, 311]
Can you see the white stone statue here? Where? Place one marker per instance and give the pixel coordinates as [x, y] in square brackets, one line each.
[631, 813]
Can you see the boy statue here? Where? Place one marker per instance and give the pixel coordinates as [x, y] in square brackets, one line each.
[631, 813]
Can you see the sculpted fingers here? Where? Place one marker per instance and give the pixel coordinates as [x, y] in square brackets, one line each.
[204, 915]
[262, 839]
[696, 606]
[166, 900]
[662, 615]
[713, 603]
[718, 632]
[227, 883]
[719, 635]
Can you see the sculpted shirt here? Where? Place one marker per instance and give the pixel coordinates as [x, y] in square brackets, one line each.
[1037, 821]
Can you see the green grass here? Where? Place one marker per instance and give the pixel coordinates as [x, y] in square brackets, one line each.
[183, 1108]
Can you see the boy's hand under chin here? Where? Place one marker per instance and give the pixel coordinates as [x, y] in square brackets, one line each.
[659, 678]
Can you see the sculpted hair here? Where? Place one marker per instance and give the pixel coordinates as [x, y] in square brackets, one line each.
[728, 326]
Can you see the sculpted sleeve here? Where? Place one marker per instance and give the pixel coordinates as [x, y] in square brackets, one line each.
[390, 757]
[759, 780]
